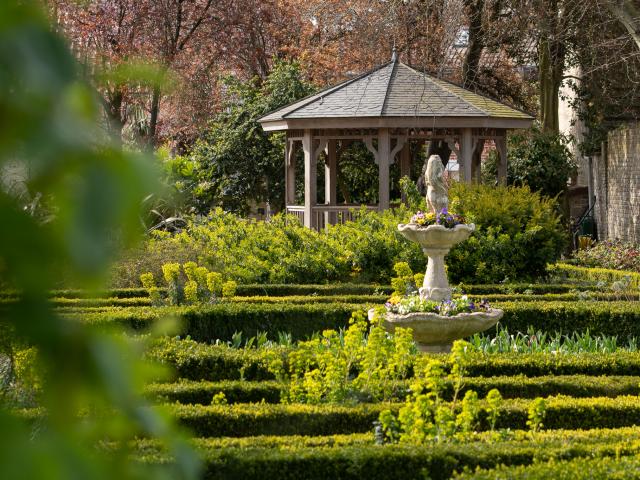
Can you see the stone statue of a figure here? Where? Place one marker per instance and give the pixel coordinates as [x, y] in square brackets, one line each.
[437, 196]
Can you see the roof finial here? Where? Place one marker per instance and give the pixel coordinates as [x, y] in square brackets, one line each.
[394, 53]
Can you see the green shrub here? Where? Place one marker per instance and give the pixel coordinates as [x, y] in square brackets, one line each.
[197, 361]
[518, 233]
[538, 159]
[220, 321]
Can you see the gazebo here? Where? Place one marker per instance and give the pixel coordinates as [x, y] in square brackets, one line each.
[387, 109]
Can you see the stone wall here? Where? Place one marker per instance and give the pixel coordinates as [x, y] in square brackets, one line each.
[617, 185]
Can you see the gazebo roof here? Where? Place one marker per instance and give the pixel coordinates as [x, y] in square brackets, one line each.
[395, 95]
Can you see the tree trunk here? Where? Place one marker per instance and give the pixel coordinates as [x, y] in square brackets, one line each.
[473, 10]
[629, 15]
[551, 58]
[113, 110]
[155, 109]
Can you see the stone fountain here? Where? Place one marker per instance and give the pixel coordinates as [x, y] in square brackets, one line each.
[431, 331]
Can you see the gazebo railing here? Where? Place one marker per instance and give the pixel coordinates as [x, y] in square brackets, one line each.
[328, 214]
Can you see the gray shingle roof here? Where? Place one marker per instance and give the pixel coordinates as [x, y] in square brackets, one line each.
[395, 90]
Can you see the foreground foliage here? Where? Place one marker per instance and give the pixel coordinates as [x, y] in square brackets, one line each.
[87, 190]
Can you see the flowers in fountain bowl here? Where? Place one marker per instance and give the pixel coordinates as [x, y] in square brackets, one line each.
[447, 308]
[444, 218]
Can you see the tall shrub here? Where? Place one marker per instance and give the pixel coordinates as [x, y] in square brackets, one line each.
[518, 232]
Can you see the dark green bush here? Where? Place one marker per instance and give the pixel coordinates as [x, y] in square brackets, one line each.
[221, 321]
[518, 233]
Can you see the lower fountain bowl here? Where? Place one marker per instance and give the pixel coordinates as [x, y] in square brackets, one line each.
[436, 333]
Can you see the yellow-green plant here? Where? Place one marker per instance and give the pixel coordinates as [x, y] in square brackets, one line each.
[425, 416]
[219, 399]
[494, 404]
[321, 369]
[149, 283]
[535, 414]
[190, 270]
[191, 292]
[171, 272]
[214, 283]
[229, 289]
[404, 281]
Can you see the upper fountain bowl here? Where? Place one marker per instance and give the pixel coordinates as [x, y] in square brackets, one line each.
[436, 236]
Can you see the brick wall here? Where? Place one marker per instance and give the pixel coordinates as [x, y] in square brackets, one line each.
[617, 185]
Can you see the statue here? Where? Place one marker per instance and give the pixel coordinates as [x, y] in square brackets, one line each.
[437, 196]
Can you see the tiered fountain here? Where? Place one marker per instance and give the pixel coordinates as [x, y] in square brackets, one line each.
[431, 331]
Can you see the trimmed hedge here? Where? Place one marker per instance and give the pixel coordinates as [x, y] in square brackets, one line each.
[626, 468]
[239, 420]
[338, 457]
[600, 318]
[336, 289]
[558, 297]
[201, 392]
[595, 274]
[276, 290]
[540, 364]
[199, 361]
[222, 320]
[520, 288]
[189, 392]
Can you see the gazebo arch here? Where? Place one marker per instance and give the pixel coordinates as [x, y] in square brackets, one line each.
[391, 105]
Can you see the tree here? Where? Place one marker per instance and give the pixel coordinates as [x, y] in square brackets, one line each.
[540, 160]
[235, 163]
[628, 14]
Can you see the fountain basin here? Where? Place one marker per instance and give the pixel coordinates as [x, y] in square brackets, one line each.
[436, 333]
[436, 236]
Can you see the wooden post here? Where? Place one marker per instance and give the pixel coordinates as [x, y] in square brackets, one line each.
[310, 180]
[405, 160]
[476, 165]
[501, 147]
[290, 172]
[330, 181]
[384, 160]
[466, 154]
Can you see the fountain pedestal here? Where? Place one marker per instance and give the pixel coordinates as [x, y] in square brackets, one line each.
[435, 285]
[433, 332]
